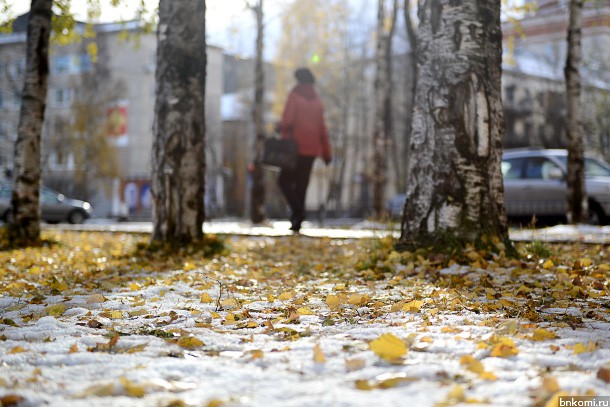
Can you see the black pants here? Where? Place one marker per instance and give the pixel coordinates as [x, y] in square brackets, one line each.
[293, 184]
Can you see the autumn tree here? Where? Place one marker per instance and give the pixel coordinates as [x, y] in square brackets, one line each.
[577, 197]
[25, 201]
[178, 156]
[455, 191]
[257, 207]
[87, 139]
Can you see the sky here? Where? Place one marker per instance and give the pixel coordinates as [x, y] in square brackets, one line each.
[230, 24]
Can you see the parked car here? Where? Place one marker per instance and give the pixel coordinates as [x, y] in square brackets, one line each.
[395, 206]
[535, 184]
[55, 207]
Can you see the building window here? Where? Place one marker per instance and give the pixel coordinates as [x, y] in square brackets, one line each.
[62, 97]
[71, 64]
[17, 68]
[86, 65]
[1, 100]
[510, 94]
[61, 160]
[60, 65]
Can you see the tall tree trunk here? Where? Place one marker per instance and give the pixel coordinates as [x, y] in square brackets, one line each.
[257, 208]
[25, 225]
[383, 105]
[577, 197]
[178, 156]
[455, 191]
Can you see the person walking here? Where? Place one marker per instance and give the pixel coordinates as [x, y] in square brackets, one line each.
[302, 121]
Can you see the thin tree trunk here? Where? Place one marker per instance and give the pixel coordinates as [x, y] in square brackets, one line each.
[410, 97]
[577, 197]
[25, 225]
[383, 102]
[178, 161]
[257, 209]
[455, 190]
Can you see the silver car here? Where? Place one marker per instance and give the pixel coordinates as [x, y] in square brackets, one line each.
[535, 184]
[55, 207]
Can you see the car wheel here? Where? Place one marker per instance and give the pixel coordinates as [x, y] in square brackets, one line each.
[596, 215]
[8, 216]
[76, 217]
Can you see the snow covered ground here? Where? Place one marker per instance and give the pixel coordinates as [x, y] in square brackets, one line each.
[67, 360]
[182, 338]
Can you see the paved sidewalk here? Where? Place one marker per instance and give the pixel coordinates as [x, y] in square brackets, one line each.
[365, 229]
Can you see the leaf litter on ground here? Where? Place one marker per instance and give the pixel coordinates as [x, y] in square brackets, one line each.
[97, 318]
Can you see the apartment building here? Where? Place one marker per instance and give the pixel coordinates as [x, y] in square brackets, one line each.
[533, 79]
[97, 134]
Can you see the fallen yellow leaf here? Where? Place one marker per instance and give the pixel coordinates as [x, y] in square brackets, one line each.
[189, 342]
[582, 348]
[548, 264]
[550, 384]
[354, 364]
[413, 306]
[305, 311]
[388, 347]
[131, 388]
[333, 302]
[56, 310]
[502, 346]
[543, 335]
[318, 355]
[472, 364]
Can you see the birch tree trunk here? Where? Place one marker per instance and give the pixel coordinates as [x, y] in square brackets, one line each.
[577, 197]
[178, 156]
[257, 207]
[25, 201]
[455, 190]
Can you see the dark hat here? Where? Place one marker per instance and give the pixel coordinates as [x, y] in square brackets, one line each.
[304, 75]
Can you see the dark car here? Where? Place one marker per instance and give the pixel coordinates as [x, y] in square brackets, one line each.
[55, 207]
[535, 184]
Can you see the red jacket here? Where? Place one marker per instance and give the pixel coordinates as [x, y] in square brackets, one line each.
[303, 121]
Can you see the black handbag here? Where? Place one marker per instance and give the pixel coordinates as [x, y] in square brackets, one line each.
[280, 153]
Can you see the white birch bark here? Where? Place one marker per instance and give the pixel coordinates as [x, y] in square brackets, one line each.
[455, 189]
[25, 225]
[178, 157]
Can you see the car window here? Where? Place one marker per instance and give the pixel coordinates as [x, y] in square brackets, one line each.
[593, 168]
[511, 168]
[596, 169]
[539, 168]
[48, 196]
